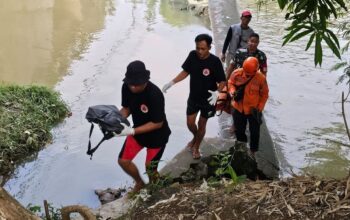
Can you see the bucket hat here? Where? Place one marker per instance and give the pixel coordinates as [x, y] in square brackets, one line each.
[136, 73]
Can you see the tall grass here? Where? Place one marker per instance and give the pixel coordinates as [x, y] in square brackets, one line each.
[27, 114]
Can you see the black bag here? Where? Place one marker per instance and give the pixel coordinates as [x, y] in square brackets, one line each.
[109, 120]
[239, 93]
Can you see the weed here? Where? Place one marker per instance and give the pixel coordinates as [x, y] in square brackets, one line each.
[156, 181]
[222, 163]
[55, 213]
[27, 114]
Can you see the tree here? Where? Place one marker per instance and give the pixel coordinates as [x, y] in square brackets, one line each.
[314, 18]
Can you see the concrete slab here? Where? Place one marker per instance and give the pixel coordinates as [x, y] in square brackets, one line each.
[183, 160]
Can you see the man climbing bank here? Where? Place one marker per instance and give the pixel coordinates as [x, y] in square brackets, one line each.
[249, 91]
[251, 51]
[207, 78]
[237, 37]
[144, 101]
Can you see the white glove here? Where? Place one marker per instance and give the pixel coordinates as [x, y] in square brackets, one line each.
[167, 86]
[214, 96]
[126, 131]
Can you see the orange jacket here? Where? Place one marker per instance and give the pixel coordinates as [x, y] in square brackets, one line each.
[256, 92]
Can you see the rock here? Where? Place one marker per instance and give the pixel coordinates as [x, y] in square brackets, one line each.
[199, 7]
[109, 194]
[181, 163]
[114, 209]
[240, 159]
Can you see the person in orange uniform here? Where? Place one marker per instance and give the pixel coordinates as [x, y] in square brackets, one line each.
[249, 91]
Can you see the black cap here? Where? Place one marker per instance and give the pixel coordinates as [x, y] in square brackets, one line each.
[136, 73]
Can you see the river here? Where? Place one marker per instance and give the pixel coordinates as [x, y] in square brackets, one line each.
[82, 48]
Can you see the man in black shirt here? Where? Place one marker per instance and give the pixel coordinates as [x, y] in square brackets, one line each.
[207, 78]
[144, 101]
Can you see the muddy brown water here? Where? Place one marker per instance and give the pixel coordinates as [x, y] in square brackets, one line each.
[81, 48]
[157, 32]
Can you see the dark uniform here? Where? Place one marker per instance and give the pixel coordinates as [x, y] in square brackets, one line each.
[204, 76]
[147, 106]
[243, 54]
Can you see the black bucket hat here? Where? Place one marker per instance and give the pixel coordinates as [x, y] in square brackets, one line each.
[136, 73]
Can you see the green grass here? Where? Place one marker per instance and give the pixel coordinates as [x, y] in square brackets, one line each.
[27, 114]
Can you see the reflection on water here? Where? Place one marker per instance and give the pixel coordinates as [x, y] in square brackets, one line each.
[40, 39]
[327, 151]
[150, 15]
[304, 110]
[63, 173]
[174, 12]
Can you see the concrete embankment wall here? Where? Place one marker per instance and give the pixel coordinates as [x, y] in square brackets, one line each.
[222, 14]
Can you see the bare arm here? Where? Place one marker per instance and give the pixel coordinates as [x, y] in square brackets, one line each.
[181, 76]
[230, 84]
[125, 112]
[221, 86]
[149, 126]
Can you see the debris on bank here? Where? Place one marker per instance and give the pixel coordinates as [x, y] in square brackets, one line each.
[199, 7]
[298, 197]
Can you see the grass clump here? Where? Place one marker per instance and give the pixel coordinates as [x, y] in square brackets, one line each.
[27, 114]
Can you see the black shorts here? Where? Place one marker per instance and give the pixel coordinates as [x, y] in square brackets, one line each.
[207, 110]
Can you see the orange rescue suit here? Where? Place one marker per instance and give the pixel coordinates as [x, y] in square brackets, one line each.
[256, 92]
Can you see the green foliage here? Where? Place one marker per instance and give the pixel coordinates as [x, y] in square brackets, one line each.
[312, 18]
[55, 213]
[156, 182]
[344, 28]
[27, 114]
[159, 183]
[224, 169]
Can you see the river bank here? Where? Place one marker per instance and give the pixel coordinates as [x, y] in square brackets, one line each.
[28, 113]
[299, 197]
[39, 180]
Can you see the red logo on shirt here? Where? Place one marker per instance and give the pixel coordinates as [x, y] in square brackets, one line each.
[144, 108]
[206, 72]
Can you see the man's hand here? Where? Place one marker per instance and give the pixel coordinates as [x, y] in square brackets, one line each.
[223, 57]
[167, 86]
[127, 130]
[213, 97]
[231, 93]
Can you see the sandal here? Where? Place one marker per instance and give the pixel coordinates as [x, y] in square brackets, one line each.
[196, 155]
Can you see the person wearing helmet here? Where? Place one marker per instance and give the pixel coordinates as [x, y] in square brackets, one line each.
[251, 51]
[144, 101]
[249, 91]
[237, 37]
[207, 79]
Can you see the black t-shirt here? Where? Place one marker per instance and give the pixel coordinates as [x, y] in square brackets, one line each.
[204, 76]
[145, 107]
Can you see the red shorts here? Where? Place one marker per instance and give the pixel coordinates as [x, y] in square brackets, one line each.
[131, 148]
